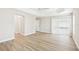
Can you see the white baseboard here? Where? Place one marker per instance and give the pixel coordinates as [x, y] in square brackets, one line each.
[7, 39]
[29, 34]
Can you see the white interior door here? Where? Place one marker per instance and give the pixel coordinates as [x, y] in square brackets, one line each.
[19, 24]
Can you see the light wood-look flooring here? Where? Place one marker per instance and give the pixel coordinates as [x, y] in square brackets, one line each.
[39, 42]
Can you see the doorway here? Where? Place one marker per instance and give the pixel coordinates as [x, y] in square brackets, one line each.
[19, 21]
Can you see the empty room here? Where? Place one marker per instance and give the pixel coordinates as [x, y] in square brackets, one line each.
[39, 29]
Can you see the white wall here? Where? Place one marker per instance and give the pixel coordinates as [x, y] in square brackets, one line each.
[45, 24]
[76, 26]
[7, 24]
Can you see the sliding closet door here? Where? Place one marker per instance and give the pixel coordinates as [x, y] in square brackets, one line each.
[62, 25]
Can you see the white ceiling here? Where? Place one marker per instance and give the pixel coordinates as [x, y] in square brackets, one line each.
[46, 11]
